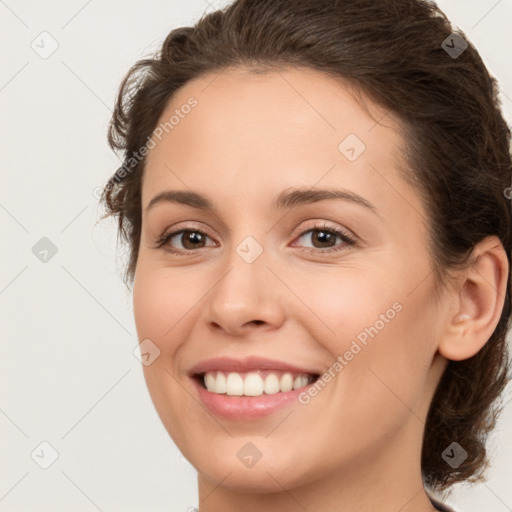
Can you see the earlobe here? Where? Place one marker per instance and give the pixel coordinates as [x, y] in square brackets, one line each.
[481, 297]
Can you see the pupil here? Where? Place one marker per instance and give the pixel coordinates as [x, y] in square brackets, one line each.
[325, 235]
[192, 237]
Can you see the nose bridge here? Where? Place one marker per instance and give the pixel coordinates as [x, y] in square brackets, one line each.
[249, 243]
[243, 293]
[246, 271]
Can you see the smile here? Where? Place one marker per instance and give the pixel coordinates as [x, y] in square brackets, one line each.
[250, 388]
[254, 383]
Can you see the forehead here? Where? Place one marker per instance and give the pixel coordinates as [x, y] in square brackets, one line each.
[282, 104]
[270, 130]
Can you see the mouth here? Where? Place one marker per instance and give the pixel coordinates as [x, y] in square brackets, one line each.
[250, 388]
[253, 383]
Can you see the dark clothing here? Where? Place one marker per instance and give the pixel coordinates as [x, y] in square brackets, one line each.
[440, 506]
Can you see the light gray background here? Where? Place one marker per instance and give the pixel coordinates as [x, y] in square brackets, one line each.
[68, 374]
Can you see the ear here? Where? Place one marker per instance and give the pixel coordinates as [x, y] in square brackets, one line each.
[477, 302]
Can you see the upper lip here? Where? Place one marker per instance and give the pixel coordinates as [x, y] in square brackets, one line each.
[246, 364]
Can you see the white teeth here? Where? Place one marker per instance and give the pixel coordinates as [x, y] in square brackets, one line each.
[252, 384]
[300, 381]
[209, 381]
[286, 382]
[234, 384]
[271, 385]
[220, 384]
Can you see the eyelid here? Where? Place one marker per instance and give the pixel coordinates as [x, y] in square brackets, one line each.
[169, 233]
[347, 237]
[320, 224]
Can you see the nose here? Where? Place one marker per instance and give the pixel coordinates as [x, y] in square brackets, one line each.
[247, 296]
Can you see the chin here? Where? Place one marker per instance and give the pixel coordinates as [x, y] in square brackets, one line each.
[247, 480]
[269, 474]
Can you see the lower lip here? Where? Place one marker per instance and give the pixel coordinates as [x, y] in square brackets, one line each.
[246, 407]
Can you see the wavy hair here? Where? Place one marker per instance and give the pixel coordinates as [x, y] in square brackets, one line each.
[458, 157]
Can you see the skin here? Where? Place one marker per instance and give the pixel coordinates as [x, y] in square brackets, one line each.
[357, 444]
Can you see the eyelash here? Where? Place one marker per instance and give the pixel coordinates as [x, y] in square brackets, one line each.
[348, 240]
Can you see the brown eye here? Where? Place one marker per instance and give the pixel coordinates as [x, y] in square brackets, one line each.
[324, 237]
[192, 239]
[188, 240]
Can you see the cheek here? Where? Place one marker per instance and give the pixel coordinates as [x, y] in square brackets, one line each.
[381, 334]
[347, 306]
[160, 302]
[160, 306]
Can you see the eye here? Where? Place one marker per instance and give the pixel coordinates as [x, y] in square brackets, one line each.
[189, 239]
[325, 237]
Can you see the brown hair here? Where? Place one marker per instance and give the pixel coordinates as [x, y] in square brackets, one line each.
[457, 152]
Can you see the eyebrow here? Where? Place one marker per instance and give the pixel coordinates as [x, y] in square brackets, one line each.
[289, 198]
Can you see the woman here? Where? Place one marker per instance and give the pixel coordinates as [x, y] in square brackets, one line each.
[314, 196]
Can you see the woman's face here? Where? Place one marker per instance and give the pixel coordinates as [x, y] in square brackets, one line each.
[259, 277]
